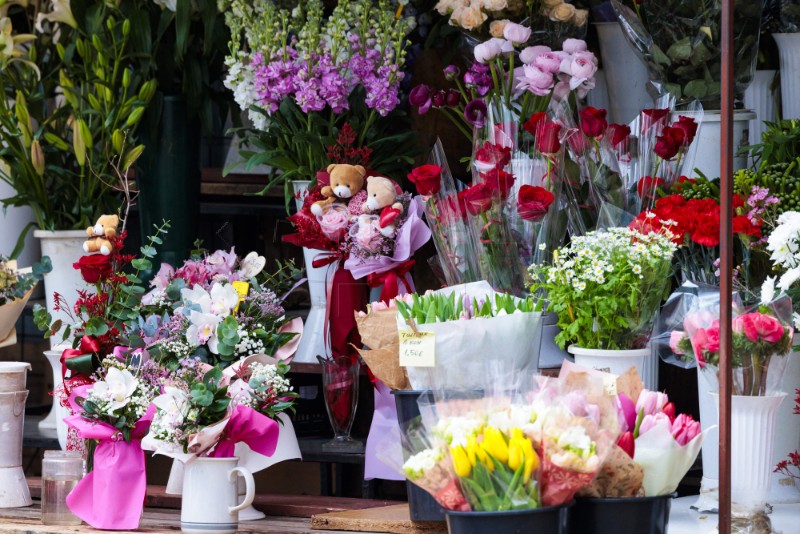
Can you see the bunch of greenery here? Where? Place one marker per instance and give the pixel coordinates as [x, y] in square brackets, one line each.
[439, 308]
[681, 42]
[13, 284]
[73, 99]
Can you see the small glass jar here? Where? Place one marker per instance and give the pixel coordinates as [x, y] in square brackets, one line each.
[61, 472]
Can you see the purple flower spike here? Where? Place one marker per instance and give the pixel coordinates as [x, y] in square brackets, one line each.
[475, 113]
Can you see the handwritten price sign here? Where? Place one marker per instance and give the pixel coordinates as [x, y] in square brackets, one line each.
[417, 349]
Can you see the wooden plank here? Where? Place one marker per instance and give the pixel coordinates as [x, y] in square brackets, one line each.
[295, 506]
[391, 519]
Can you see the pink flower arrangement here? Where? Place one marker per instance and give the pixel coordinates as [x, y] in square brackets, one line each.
[334, 221]
[758, 327]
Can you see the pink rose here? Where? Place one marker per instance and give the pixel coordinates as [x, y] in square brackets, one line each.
[516, 33]
[759, 327]
[675, 337]
[685, 429]
[536, 80]
[652, 402]
[334, 221]
[366, 233]
[529, 54]
[548, 62]
[651, 421]
[485, 52]
[571, 46]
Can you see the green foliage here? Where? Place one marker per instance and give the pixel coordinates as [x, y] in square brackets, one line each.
[439, 307]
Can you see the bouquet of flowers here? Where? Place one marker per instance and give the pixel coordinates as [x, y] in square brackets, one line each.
[216, 307]
[114, 413]
[302, 76]
[783, 244]
[15, 288]
[762, 338]
[606, 287]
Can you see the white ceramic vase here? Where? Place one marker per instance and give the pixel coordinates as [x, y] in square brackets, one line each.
[209, 502]
[789, 52]
[13, 486]
[626, 74]
[64, 247]
[54, 359]
[708, 140]
[312, 343]
[785, 490]
[708, 501]
[13, 220]
[617, 361]
[760, 97]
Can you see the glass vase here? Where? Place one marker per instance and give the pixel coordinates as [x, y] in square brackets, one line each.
[340, 386]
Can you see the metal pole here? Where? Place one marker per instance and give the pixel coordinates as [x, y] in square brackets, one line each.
[726, 268]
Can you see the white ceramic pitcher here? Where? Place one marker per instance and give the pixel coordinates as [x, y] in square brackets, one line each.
[209, 496]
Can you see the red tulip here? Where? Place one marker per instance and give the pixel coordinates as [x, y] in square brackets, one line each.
[669, 411]
[627, 443]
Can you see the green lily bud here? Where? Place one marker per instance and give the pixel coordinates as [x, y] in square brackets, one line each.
[37, 157]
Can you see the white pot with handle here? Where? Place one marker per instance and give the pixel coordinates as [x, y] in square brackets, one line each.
[210, 492]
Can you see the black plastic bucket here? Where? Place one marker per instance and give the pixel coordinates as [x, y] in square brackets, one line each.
[547, 520]
[421, 505]
[621, 516]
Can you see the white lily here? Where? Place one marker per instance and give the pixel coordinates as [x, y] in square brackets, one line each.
[117, 388]
[61, 12]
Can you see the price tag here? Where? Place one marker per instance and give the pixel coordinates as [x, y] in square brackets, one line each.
[610, 383]
[242, 288]
[417, 349]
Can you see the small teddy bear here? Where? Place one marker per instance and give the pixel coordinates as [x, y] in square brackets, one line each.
[345, 182]
[104, 229]
[382, 197]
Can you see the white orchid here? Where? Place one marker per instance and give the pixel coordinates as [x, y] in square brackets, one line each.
[196, 297]
[252, 265]
[172, 406]
[116, 389]
[223, 299]
[203, 330]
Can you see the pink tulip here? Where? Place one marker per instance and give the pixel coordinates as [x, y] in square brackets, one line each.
[685, 429]
[651, 402]
[651, 421]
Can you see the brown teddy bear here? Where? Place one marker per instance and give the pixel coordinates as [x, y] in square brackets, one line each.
[382, 197]
[346, 181]
[104, 229]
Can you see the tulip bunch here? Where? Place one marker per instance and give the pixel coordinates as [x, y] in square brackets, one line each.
[438, 308]
[498, 472]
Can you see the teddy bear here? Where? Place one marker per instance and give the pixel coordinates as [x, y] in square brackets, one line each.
[382, 198]
[104, 229]
[345, 181]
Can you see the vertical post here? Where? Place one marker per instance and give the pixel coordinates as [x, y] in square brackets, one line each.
[726, 268]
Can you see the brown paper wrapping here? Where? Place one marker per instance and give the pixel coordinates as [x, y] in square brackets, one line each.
[9, 313]
[378, 331]
[619, 476]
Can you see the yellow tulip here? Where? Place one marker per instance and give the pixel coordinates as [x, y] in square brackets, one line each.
[515, 455]
[460, 461]
[472, 445]
[531, 460]
[495, 444]
[480, 453]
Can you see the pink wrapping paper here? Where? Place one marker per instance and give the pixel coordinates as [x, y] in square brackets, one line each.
[246, 425]
[384, 423]
[111, 497]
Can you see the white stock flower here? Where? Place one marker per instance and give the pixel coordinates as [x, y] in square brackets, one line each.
[116, 389]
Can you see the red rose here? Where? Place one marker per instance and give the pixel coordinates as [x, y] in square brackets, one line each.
[647, 186]
[593, 121]
[491, 156]
[618, 133]
[477, 198]
[451, 209]
[532, 124]
[689, 127]
[666, 147]
[427, 178]
[499, 180]
[94, 268]
[676, 135]
[653, 116]
[577, 141]
[533, 202]
[548, 139]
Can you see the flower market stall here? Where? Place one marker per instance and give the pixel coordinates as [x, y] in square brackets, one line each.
[399, 266]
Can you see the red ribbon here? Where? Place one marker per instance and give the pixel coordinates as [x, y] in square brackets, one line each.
[88, 345]
[391, 280]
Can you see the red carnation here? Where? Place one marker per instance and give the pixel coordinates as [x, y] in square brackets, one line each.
[742, 225]
[593, 121]
[533, 202]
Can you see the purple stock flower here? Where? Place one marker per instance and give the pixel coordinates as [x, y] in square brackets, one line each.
[475, 113]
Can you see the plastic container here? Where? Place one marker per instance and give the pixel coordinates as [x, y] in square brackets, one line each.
[615, 362]
[620, 516]
[421, 504]
[547, 520]
[61, 472]
[13, 376]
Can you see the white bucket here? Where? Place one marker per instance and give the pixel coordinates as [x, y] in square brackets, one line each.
[13, 376]
[709, 139]
[615, 362]
[789, 52]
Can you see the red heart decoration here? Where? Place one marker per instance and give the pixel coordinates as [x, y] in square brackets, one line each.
[388, 215]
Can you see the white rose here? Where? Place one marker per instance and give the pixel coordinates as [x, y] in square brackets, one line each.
[494, 5]
[551, 3]
[497, 26]
[469, 18]
[580, 18]
[562, 13]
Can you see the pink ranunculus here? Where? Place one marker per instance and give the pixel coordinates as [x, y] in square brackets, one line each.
[651, 421]
[516, 33]
[333, 221]
[675, 337]
[571, 46]
[536, 80]
[652, 402]
[685, 429]
[581, 67]
[759, 327]
[548, 62]
[529, 54]
[485, 52]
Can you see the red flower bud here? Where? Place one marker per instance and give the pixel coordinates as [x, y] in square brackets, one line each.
[669, 411]
[627, 443]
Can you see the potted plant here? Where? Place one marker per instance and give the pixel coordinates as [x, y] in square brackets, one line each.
[680, 41]
[67, 122]
[606, 288]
